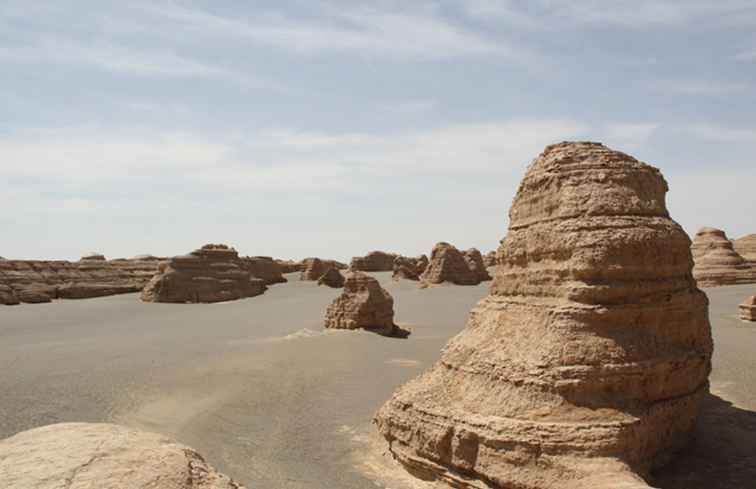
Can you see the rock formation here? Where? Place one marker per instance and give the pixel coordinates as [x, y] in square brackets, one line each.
[586, 364]
[289, 266]
[746, 247]
[107, 456]
[409, 268]
[332, 278]
[489, 260]
[447, 264]
[313, 269]
[716, 262]
[364, 304]
[93, 257]
[375, 261]
[475, 263]
[748, 309]
[213, 273]
[265, 268]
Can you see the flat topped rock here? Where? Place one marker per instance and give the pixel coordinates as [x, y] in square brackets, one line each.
[363, 304]
[717, 262]
[375, 261]
[748, 309]
[106, 456]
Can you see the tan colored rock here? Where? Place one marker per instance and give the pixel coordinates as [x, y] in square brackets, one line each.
[448, 264]
[586, 364]
[265, 268]
[290, 266]
[409, 268]
[716, 262]
[375, 261]
[103, 456]
[746, 247]
[489, 260]
[364, 304]
[748, 309]
[94, 257]
[332, 278]
[313, 269]
[7, 296]
[475, 263]
[213, 273]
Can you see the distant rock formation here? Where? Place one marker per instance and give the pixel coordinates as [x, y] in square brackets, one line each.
[93, 256]
[364, 304]
[313, 269]
[213, 273]
[716, 262]
[290, 266]
[748, 309]
[409, 268]
[587, 363]
[489, 260]
[265, 268]
[375, 261]
[79, 455]
[447, 264]
[475, 263]
[746, 247]
[332, 278]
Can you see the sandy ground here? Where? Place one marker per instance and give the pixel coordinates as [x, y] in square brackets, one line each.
[275, 401]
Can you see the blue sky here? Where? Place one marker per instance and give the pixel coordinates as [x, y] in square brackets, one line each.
[330, 128]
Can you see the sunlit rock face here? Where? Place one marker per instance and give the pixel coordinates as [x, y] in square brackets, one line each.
[448, 264]
[364, 304]
[746, 247]
[586, 364]
[717, 262]
[375, 261]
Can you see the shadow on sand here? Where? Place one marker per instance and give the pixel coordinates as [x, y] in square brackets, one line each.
[722, 454]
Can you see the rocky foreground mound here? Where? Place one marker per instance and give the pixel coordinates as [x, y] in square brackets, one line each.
[213, 273]
[363, 305]
[375, 261]
[586, 364]
[748, 309]
[448, 264]
[746, 247]
[103, 456]
[716, 261]
[408, 268]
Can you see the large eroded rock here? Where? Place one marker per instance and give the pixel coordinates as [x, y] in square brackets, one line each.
[448, 264]
[586, 364]
[717, 262]
[748, 309]
[265, 268]
[213, 273]
[475, 263]
[375, 261]
[409, 268]
[363, 304]
[102, 456]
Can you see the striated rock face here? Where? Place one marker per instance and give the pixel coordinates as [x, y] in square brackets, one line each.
[409, 268]
[85, 455]
[489, 260]
[213, 273]
[746, 247]
[364, 304]
[586, 364]
[475, 263]
[716, 262]
[375, 261]
[447, 264]
[313, 269]
[748, 309]
[332, 278]
[265, 268]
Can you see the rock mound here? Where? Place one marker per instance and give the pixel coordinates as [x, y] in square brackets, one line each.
[475, 263]
[375, 261]
[214, 273]
[364, 304]
[448, 264]
[265, 268]
[746, 247]
[489, 260]
[84, 455]
[409, 268]
[748, 309]
[332, 278]
[289, 266]
[586, 364]
[93, 256]
[716, 262]
[313, 269]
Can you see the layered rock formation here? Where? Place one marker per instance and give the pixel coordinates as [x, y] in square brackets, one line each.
[409, 268]
[716, 262]
[313, 269]
[332, 278]
[84, 455]
[475, 263]
[746, 247]
[375, 261]
[213, 273]
[748, 309]
[586, 364]
[290, 266]
[364, 304]
[265, 268]
[489, 260]
[447, 264]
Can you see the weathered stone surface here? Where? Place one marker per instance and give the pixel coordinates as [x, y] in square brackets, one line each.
[375, 261]
[586, 364]
[265, 268]
[103, 456]
[7, 296]
[89, 290]
[332, 278]
[746, 247]
[489, 260]
[289, 266]
[716, 262]
[93, 256]
[364, 304]
[448, 264]
[475, 263]
[748, 309]
[409, 268]
[213, 273]
[313, 269]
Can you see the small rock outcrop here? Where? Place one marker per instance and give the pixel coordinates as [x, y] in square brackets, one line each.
[475, 263]
[213, 273]
[364, 304]
[332, 278]
[265, 268]
[448, 264]
[313, 269]
[489, 259]
[746, 247]
[409, 268]
[587, 363]
[748, 309]
[716, 261]
[375, 261]
[107, 456]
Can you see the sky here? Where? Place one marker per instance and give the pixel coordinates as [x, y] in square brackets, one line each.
[331, 128]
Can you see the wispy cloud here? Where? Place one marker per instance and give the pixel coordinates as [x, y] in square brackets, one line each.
[699, 87]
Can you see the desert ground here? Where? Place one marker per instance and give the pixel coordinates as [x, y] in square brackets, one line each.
[274, 400]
